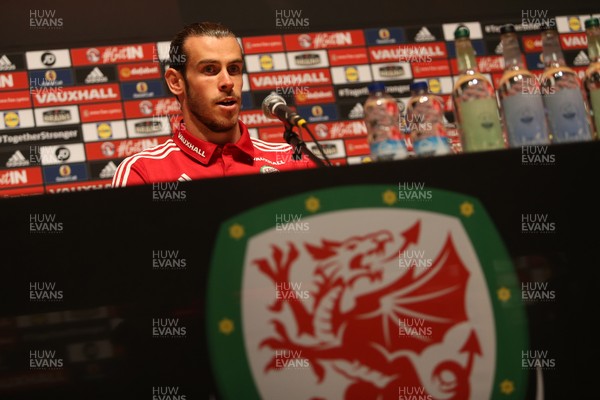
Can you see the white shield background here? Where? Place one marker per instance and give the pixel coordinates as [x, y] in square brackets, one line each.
[258, 293]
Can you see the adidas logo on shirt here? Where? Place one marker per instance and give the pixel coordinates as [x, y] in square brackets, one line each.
[108, 171]
[424, 35]
[184, 178]
[17, 160]
[96, 76]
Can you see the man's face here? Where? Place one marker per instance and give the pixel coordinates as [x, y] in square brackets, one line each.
[213, 78]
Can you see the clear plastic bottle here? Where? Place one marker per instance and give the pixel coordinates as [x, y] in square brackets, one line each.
[563, 94]
[382, 118]
[425, 122]
[520, 96]
[592, 74]
[474, 99]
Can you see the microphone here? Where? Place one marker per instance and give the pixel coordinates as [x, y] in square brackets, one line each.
[275, 107]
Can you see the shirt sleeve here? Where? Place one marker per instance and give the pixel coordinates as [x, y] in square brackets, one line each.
[128, 173]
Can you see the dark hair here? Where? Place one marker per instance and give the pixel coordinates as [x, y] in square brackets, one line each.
[177, 57]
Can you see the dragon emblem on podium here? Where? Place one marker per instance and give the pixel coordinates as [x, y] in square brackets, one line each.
[369, 318]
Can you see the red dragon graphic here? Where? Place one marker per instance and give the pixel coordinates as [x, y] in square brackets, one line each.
[355, 330]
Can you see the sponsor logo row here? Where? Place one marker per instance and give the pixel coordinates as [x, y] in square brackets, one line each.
[59, 77]
[66, 115]
[68, 153]
[387, 63]
[51, 86]
[530, 22]
[282, 61]
[64, 58]
[58, 58]
[33, 177]
[80, 173]
[49, 95]
[48, 118]
[37, 165]
[410, 53]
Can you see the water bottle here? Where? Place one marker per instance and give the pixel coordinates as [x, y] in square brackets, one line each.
[563, 94]
[592, 73]
[425, 122]
[382, 118]
[474, 99]
[520, 95]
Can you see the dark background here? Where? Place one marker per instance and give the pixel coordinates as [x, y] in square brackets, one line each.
[121, 21]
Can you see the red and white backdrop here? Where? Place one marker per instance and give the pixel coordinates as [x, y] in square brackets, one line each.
[69, 116]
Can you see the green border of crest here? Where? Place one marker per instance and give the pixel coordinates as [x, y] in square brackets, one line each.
[223, 309]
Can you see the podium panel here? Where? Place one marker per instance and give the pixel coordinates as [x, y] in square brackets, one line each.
[464, 276]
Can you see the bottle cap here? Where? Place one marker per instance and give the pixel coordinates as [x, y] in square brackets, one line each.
[592, 23]
[508, 28]
[417, 86]
[376, 87]
[461, 32]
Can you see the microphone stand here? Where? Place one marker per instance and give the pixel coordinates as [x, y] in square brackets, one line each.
[299, 146]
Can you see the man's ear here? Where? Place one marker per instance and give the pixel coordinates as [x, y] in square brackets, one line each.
[175, 81]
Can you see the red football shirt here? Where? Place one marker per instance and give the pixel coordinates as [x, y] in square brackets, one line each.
[185, 158]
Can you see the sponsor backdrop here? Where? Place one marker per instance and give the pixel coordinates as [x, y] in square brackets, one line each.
[68, 116]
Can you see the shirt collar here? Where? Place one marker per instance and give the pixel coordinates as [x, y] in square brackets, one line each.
[203, 151]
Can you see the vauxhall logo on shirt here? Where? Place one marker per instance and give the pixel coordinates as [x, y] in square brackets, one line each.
[190, 146]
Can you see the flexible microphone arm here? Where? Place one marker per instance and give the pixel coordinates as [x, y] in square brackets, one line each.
[274, 106]
[305, 126]
[300, 147]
